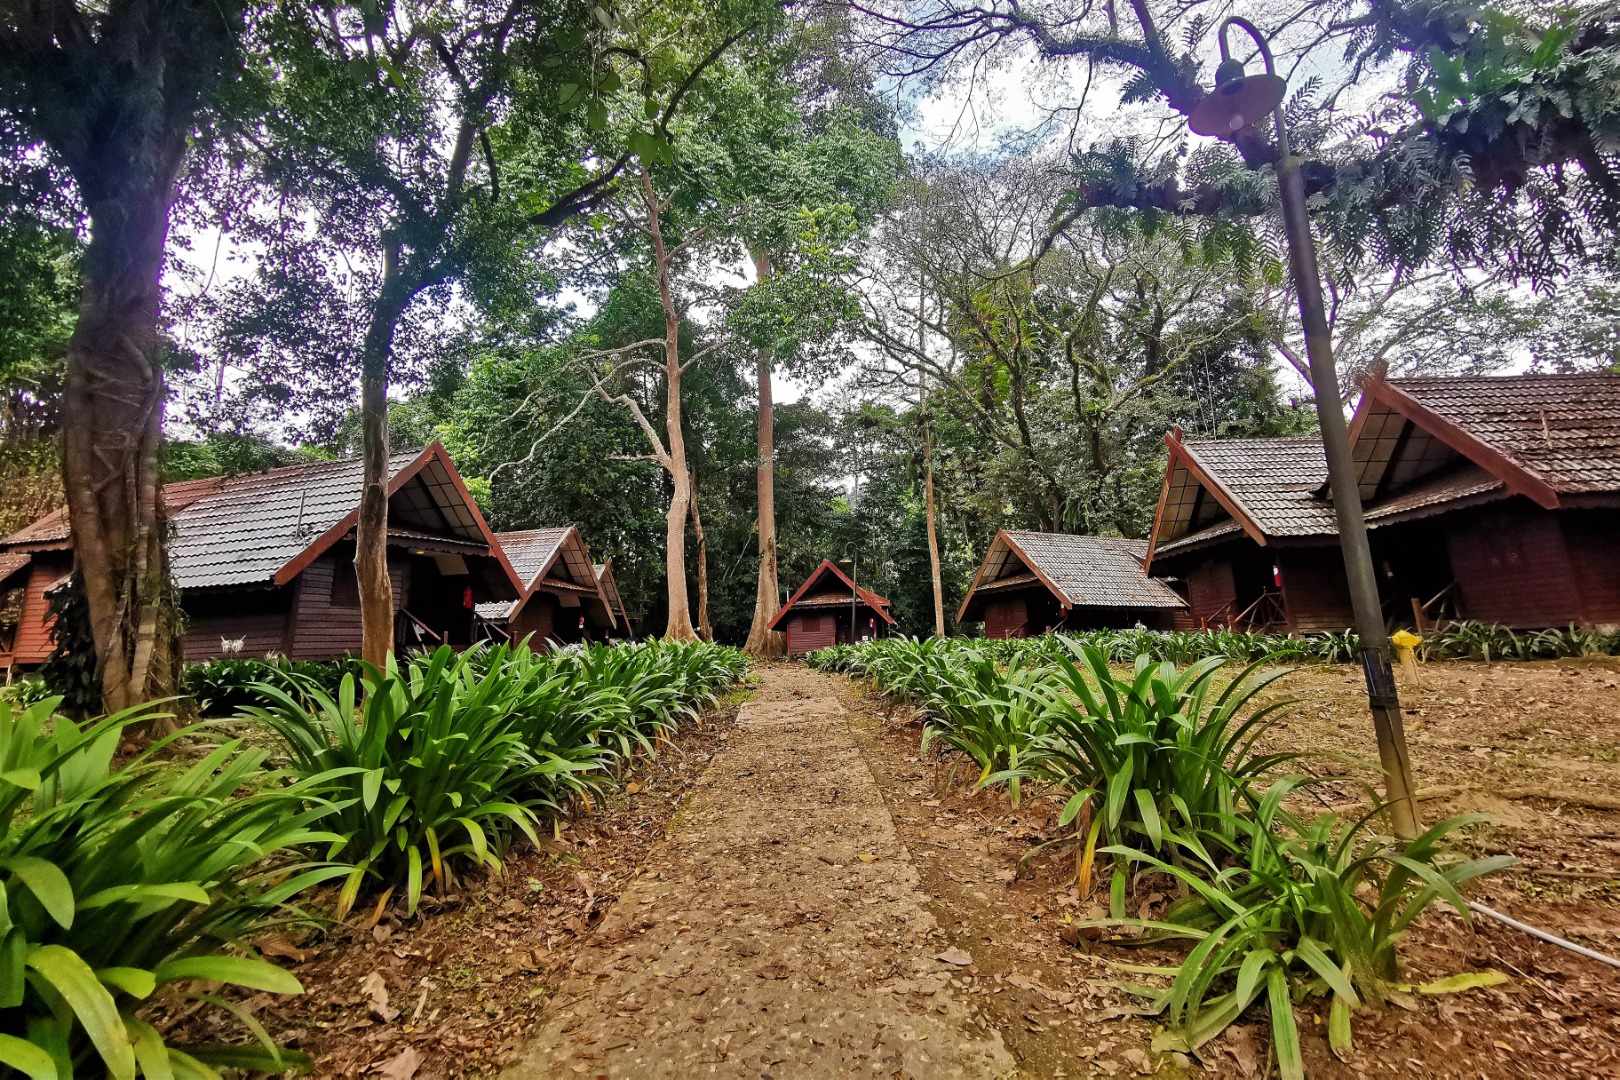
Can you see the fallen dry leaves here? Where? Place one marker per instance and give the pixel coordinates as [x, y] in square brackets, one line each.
[454, 991]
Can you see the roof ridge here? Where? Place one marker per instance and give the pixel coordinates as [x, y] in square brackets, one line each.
[1517, 376]
[226, 478]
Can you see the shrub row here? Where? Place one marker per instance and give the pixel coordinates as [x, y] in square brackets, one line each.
[1162, 770]
[120, 879]
[1455, 641]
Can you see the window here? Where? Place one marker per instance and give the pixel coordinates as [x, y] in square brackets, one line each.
[345, 587]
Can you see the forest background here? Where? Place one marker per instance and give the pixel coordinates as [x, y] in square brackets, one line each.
[717, 193]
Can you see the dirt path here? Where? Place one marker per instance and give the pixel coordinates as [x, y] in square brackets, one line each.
[778, 930]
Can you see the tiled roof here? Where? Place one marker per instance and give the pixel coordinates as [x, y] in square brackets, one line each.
[1563, 428]
[531, 549]
[249, 527]
[12, 563]
[53, 527]
[242, 530]
[1469, 482]
[1095, 571]
[1272, 480]
[1014, 581]
[555, 559]
[879, 604]
[1218, 531]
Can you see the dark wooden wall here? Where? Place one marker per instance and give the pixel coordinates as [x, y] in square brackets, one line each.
[325, 621]
[810, 630]
[262, 633]
[1005, 616]
[1119, 618]
[1512, 567]
[538, 618]
[1593, 540]
[1315, 591]
[1211, 589]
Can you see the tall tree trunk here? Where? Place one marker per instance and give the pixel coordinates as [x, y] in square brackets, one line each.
[679, 625]
[371, 533]
[763, 641]
[113, 426]
[933, 537]
[928, 469]
[703, 627]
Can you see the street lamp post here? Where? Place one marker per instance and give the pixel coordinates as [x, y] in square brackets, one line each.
[1239, 100]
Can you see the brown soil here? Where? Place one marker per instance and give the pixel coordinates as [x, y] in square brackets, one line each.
[1534, 745]
[778, 931]
[457, 990]
[806, 894]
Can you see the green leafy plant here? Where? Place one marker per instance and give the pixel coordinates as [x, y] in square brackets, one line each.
[70, 670]
[430, 771]
[228, 685]
[118, 882]
[1156, 753]
[1291, 909]
[26, 691]
[992, 718]
[452, 754]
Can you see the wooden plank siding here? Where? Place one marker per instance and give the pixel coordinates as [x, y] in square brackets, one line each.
[34, 643]
[808, 631]
[261, 634]
[538, 617]
[1512, 567]
[326, 614]
[318, 616]
[1211, 590]
[1593, 540]
[1315, 592]
[1006, 616]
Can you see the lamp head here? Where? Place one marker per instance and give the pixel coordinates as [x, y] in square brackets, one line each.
[1238, 100]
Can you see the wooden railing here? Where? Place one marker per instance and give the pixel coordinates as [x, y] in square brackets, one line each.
[426, 633]
[1221, 616]
[491, 631]
[1268, 604]
[1432, 612]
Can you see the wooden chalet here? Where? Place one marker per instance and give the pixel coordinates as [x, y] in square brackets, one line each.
[830, 609]
[1032, 582]
[1488, 498]
[562, 600]
[264, 562]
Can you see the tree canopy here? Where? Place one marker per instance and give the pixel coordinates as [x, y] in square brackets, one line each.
[442, 229]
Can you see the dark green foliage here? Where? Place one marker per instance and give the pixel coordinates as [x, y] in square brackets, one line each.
[70, 670]
[229, 685]
[1469, 640]
[451, 755]
[1294, 910]
[116, 882]
[224, 454]
[1163, 751]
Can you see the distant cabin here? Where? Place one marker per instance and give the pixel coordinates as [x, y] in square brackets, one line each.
[266, 560]
[830, 609]
[1034, 582]
[1495, 498]
[563, 600]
